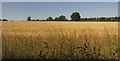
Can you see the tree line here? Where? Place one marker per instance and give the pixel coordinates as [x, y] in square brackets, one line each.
[76, 17]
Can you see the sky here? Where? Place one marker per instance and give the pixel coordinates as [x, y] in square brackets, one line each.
[60, 0]
[0, 9]
[119, 9]
[42, 10]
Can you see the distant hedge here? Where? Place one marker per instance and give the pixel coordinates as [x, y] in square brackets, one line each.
[76, 17]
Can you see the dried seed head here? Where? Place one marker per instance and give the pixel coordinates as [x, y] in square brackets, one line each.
[99, 48]
[94, 53]
[88, 44]
[85, 45]
[113, 53]
[94, 49]
[116, 50]
[90, 50]
[99, 54]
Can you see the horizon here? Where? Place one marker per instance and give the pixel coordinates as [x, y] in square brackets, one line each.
[43, 10]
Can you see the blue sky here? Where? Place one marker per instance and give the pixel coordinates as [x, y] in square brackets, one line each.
[60, 0]
[42, 10]
[0, 10]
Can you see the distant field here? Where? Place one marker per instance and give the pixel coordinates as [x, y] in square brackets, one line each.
[59, 40]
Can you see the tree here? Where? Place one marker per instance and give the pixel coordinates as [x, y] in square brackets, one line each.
[102, 18]
[75, 16]
[33, 20]
[37, 19]
[4, 20]
[56, 19]
[62, 18]
[49, 18]
[28, 18]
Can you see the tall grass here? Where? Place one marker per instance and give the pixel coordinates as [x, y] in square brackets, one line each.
[62, 40]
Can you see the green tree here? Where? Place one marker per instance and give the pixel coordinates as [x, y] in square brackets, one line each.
[75, 16]
[56, 19]
[102, 19]
[37, 20]
[62, 18]
[4, 20]
[28, 18]
[33, 20]
[49, 18]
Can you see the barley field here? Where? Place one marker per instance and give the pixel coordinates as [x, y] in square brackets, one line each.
[59, 40]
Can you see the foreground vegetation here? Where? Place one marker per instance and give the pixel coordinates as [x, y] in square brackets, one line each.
[59, 40]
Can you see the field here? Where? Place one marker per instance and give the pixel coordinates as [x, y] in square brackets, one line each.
[59, 40]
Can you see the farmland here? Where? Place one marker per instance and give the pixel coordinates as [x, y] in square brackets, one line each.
[59, 40]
